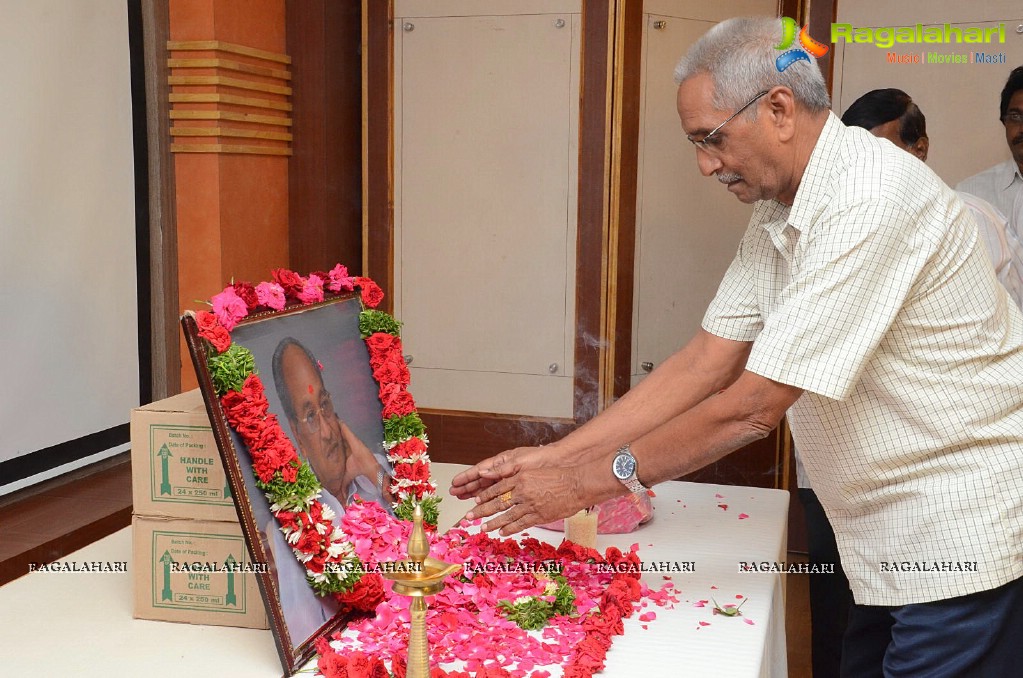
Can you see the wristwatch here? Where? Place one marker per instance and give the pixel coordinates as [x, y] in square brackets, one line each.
[624, 467]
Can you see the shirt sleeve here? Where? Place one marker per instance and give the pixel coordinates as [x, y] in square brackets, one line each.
[734, 313]
[856, 270]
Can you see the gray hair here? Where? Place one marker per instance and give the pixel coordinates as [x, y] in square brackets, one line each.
[739, 54]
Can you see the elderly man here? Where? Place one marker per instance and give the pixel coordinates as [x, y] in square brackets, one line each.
[343, 464]
[860, 298]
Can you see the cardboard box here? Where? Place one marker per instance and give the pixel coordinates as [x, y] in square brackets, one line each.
[175, 464]
[195, 571]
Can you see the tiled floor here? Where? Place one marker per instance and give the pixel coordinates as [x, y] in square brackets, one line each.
[48, 521]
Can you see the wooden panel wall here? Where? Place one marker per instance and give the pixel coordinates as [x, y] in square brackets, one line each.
[325, 177]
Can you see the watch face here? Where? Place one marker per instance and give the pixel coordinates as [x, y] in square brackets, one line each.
[624, 466]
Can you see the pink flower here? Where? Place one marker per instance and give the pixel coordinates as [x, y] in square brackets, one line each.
[229, 308]
[339, 280]
[312, 290]
[271, 295]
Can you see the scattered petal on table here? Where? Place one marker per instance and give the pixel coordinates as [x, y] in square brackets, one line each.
[743, 516]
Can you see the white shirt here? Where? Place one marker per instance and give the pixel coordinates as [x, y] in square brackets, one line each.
[999, 185]
[874, 295]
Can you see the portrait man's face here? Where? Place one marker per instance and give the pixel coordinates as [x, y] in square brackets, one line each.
[315, 426]
[1014, 130]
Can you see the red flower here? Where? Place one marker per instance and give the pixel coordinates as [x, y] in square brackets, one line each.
[396, 400]
[589, 655]
[247, 293]
[398, 665]
[292, 282]
[330, 663]
[377, 669]
[391, 370]
[418, 471]
[365, 595]
[358, 664]
[212, 331]
[540, 550]
[381, 345]
[289, 472]
[218, 337]
[607, 624]
[206, 321]
[491, 672]
[578, 553]
[409, 448]
[372, 295]
[508, 548]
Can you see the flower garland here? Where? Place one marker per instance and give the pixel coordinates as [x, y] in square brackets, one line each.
[466, 623]
[290, 485]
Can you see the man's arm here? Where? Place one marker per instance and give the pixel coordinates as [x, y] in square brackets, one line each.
[747, 411]
[704, 366]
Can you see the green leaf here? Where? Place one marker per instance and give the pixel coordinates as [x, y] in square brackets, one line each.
[230, 369]
[371, 321]
[431, 509]
[295, 496]
[340, 580]
[398, 428]
[728, 611]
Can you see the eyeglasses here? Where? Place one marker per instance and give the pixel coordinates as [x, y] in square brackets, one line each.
[711, 142]
[1013, 117]
[310, 421]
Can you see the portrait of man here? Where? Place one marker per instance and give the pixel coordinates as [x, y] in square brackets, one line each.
[342, 462]
[315, 370]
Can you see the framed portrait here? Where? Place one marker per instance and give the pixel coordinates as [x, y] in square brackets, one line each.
[318, 384]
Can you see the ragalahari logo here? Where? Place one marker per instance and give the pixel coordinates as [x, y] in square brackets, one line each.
[807, 45]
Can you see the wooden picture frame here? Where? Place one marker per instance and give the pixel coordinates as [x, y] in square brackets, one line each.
[291, 348]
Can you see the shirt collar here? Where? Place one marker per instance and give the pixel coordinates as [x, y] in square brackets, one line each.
[1007, 173]
[813, 193]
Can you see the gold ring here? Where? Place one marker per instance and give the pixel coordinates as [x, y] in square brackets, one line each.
[507, 497]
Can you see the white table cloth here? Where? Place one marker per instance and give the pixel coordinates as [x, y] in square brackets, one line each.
[81, 624]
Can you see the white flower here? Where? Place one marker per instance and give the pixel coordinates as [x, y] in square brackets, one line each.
[523, 600]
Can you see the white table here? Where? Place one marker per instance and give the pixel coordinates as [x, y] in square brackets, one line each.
[81, 624]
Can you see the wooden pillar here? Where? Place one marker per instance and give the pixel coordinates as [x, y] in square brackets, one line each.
[230, 127]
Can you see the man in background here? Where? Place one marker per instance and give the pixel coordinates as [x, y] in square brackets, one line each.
[1002, 185]
[891, 114]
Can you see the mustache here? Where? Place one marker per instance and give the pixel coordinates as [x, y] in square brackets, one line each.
[1018, 139]
[728, 178]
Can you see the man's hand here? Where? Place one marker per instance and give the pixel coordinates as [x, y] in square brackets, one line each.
[539, 495]
[361, 462]
[470, 482]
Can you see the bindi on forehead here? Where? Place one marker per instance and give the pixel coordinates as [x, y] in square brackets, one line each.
[310, 387]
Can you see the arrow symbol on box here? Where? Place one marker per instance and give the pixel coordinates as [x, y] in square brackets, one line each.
[164, 455]
[231, 598]
[166, 559]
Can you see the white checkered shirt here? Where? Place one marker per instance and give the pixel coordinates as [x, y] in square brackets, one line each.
[874, 294]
